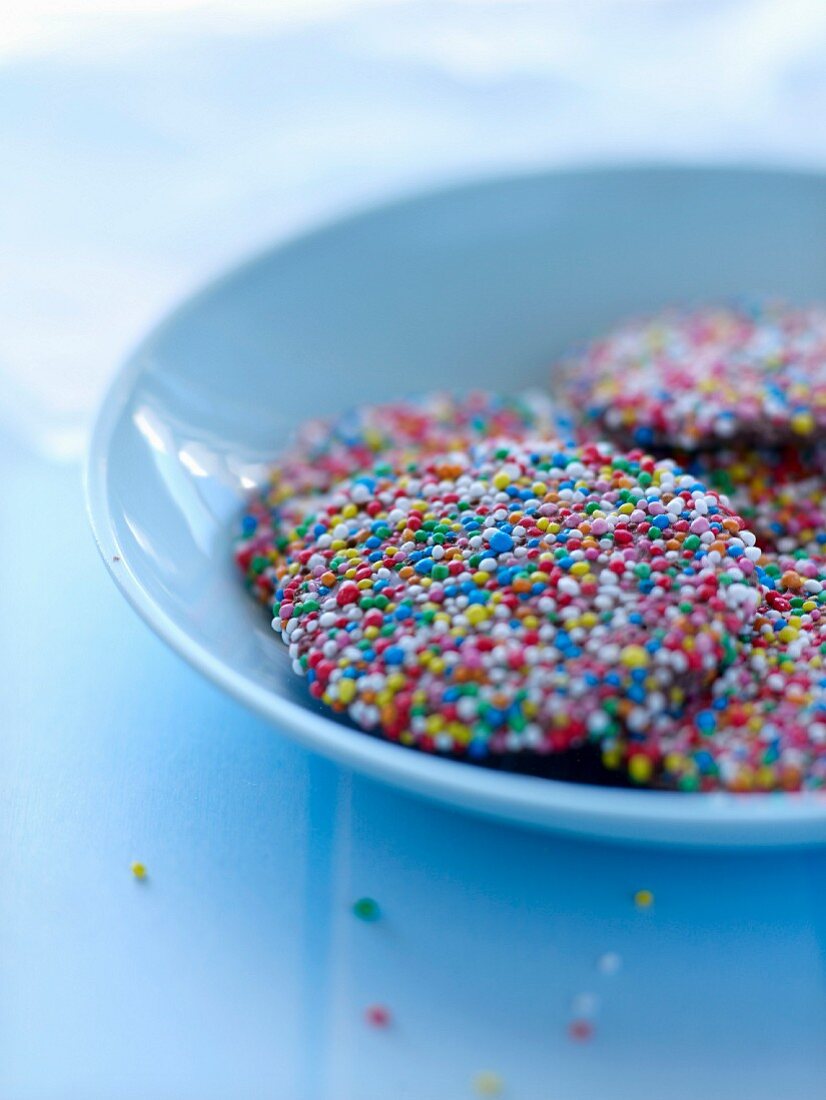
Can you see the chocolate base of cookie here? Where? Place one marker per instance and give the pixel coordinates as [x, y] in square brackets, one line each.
[580, 765]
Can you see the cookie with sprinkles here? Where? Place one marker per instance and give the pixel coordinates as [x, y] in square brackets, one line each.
[525, 599]
[780, 491]
[763, 725]
[701, 377]
[325, 452]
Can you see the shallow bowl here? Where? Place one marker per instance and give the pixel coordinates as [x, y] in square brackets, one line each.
[477, 286]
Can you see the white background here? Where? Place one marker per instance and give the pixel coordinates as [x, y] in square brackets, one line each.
[144, 145]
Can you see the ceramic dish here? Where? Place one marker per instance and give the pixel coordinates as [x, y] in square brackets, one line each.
[477, 286]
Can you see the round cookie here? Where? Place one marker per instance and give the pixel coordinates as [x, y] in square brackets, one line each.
[528, 599]
[702, 377]
[325, 452]
[779, 491]
[763, 725]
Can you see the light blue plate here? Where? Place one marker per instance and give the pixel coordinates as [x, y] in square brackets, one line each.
[479, 286]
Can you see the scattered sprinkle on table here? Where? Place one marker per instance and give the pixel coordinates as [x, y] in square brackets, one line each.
[367, 909]
[609, 963]
[585, 1004]
[581, 1030]
[378, 1016]
[138, 870]
[488, 1083]
[643, 899]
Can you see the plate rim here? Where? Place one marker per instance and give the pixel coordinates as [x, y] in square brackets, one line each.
[702, 820]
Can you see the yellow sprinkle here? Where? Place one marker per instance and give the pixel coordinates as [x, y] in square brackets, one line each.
[803, 423]
[138, 870]
[488, 1083]
[612, 757]
[481, 577]
[349, 510]
[580, 568]
[643, 899]
[634, 656]
[640, 767]
[674, 762]
[765, 777]
[501, 480]
[475, 614]
[787, 634]
[346, 690]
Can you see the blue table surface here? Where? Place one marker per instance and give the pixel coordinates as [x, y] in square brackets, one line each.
[237, 969]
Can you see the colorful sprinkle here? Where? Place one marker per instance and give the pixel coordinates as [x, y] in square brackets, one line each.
[138, 870]
[488, 1083]
[763, 726]
[377, 1016]
[585, 1004]
[368, 438]
[367, 909]
[643, 899]
[470, 576]
[581, 1031]
[697, 377]
[780, 491]
[610, 963]
[571, 606]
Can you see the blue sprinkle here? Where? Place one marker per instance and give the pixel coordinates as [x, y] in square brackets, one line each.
[706, 721]
[501, 542]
